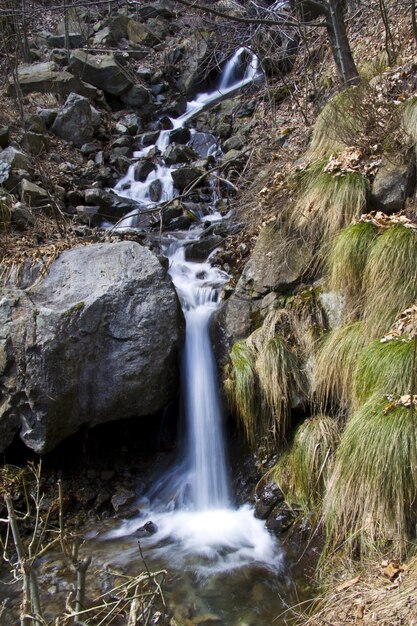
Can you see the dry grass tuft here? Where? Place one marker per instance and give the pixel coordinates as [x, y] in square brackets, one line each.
[264, 380]
[335, 364]
[390, 278]
[305, 470]
[385, 368]
[346, 264]
[371, 500]
[328, 202]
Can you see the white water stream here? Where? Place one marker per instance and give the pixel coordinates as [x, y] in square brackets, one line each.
[199, 529]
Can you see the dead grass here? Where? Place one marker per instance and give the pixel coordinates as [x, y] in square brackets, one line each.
[365, 595]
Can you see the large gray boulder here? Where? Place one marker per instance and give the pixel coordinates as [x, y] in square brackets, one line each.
[102, 71]
[74, 121]
[47, 77]
[96, 340]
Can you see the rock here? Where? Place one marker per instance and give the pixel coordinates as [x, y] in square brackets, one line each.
[180, 135]
[276, 263]
[230, 323]
[48, 116]
[74, 121]
[148, 139]
[155, 190]
[21, 216]
[176, 107]
[36, 143]
[160, 8]
[49, 78]
[143, 169]
[237, 142]
[90, 147]
[267, 496]
[137, 96]
[200, 250]
[185, 176]
[111, 206]
[75, 40]
[102, 71]
[88, 214]
[132, 123]
[15, 158]
[281, 519]
[147, 530]
[177, 153]
[96, 340]
[190, 60]
[33, 195]
[59, 57]
[4, 136]
[35, 124]
[393, 184]
[183, 222]
[122, 498]
[203, 143]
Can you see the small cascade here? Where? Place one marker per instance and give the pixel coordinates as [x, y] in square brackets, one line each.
[240, 70]
[198, 286]
[191, 504]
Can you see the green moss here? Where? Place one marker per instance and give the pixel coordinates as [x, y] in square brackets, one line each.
[384, 368]
[74, 309]
[372, 494]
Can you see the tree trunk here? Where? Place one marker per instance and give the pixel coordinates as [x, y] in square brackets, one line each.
[339, 43]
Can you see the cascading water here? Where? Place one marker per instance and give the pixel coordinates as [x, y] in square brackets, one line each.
[199, 531]
[198, 287]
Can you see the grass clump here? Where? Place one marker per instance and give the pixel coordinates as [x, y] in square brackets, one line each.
[328, 202]
[280, 380]
[390, 278]
[309, 462]
[371, 499]
[335, 364]
[347, 260]
[324, 141]
[241, 387]
[384, 368]
[264, 380]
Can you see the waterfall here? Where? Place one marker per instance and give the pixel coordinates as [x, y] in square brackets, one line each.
[198, 286]
[191, 503]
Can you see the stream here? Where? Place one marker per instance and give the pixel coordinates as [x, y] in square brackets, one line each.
[222, 561]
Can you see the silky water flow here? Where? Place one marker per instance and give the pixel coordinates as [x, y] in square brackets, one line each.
[220, 555]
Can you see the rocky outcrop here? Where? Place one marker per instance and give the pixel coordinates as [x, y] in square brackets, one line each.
[49, 78]
[276, 264]
[74, 121]
[102, 71]
[96, 340]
